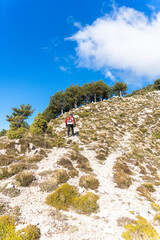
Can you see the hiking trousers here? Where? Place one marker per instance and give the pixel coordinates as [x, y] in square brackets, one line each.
[70, 126]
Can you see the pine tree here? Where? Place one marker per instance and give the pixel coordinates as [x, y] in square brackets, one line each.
[73, 96]
[157, 84]
[19, 115]
[58, 100]
[120, 88]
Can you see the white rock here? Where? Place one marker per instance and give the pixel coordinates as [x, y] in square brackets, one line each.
[10, 185]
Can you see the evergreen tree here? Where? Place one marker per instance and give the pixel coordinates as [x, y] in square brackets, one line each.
[19, 115]
[3, 132]
[120, 88]
[39, 125]
[73, 96]
[58, 101]
[157, 84]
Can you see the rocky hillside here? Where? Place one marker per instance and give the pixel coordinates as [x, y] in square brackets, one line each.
[103, 183]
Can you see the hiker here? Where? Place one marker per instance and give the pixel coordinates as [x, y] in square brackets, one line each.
[70, 123]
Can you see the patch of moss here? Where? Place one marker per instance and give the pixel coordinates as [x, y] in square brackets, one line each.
[141, 229]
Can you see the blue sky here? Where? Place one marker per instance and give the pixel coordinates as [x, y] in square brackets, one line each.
[46, 45]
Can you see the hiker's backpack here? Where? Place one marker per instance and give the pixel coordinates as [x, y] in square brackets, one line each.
[69, 120]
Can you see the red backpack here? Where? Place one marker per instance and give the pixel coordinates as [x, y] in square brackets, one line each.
[69, 120]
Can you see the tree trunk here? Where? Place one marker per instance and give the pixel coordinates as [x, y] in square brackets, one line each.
[94, 97]
[101, 98]
[120, 94]
[61, 110]
[75, 104]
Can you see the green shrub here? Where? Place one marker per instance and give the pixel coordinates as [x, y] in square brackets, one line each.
[140, 230]
[15, 134]
[89, 181]
[39, 125]
[155, 206]
[24, 179]
[87, 203]
[157, 217]
[67, 196]
[31, 232]
[7, 230]
[63, 197]
[3, 132]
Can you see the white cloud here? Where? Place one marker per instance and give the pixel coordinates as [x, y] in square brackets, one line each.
[63, 69]
[109, 75]
[125, 41]
[77, 25]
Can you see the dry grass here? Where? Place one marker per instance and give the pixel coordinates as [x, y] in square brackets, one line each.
[24, 179]
[59, 176]
[145, 192]
[89, 181]
[66, 163]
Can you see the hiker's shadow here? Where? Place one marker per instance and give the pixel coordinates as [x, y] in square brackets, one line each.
[76, 134]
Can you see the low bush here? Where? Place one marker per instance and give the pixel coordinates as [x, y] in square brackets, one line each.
[24, 179]
[60, 176]
[89, 181]
[155, 206]
[63, 197]
[145, 192]
[39, 125]
[101, 156]
[149, 186]
[87, 203]
[15, 134]
[6, 160]
[139, 230]
[7, 230]
[67, 196]
[122, 179]
[66, 163]
[83, 163]
[73, 173]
